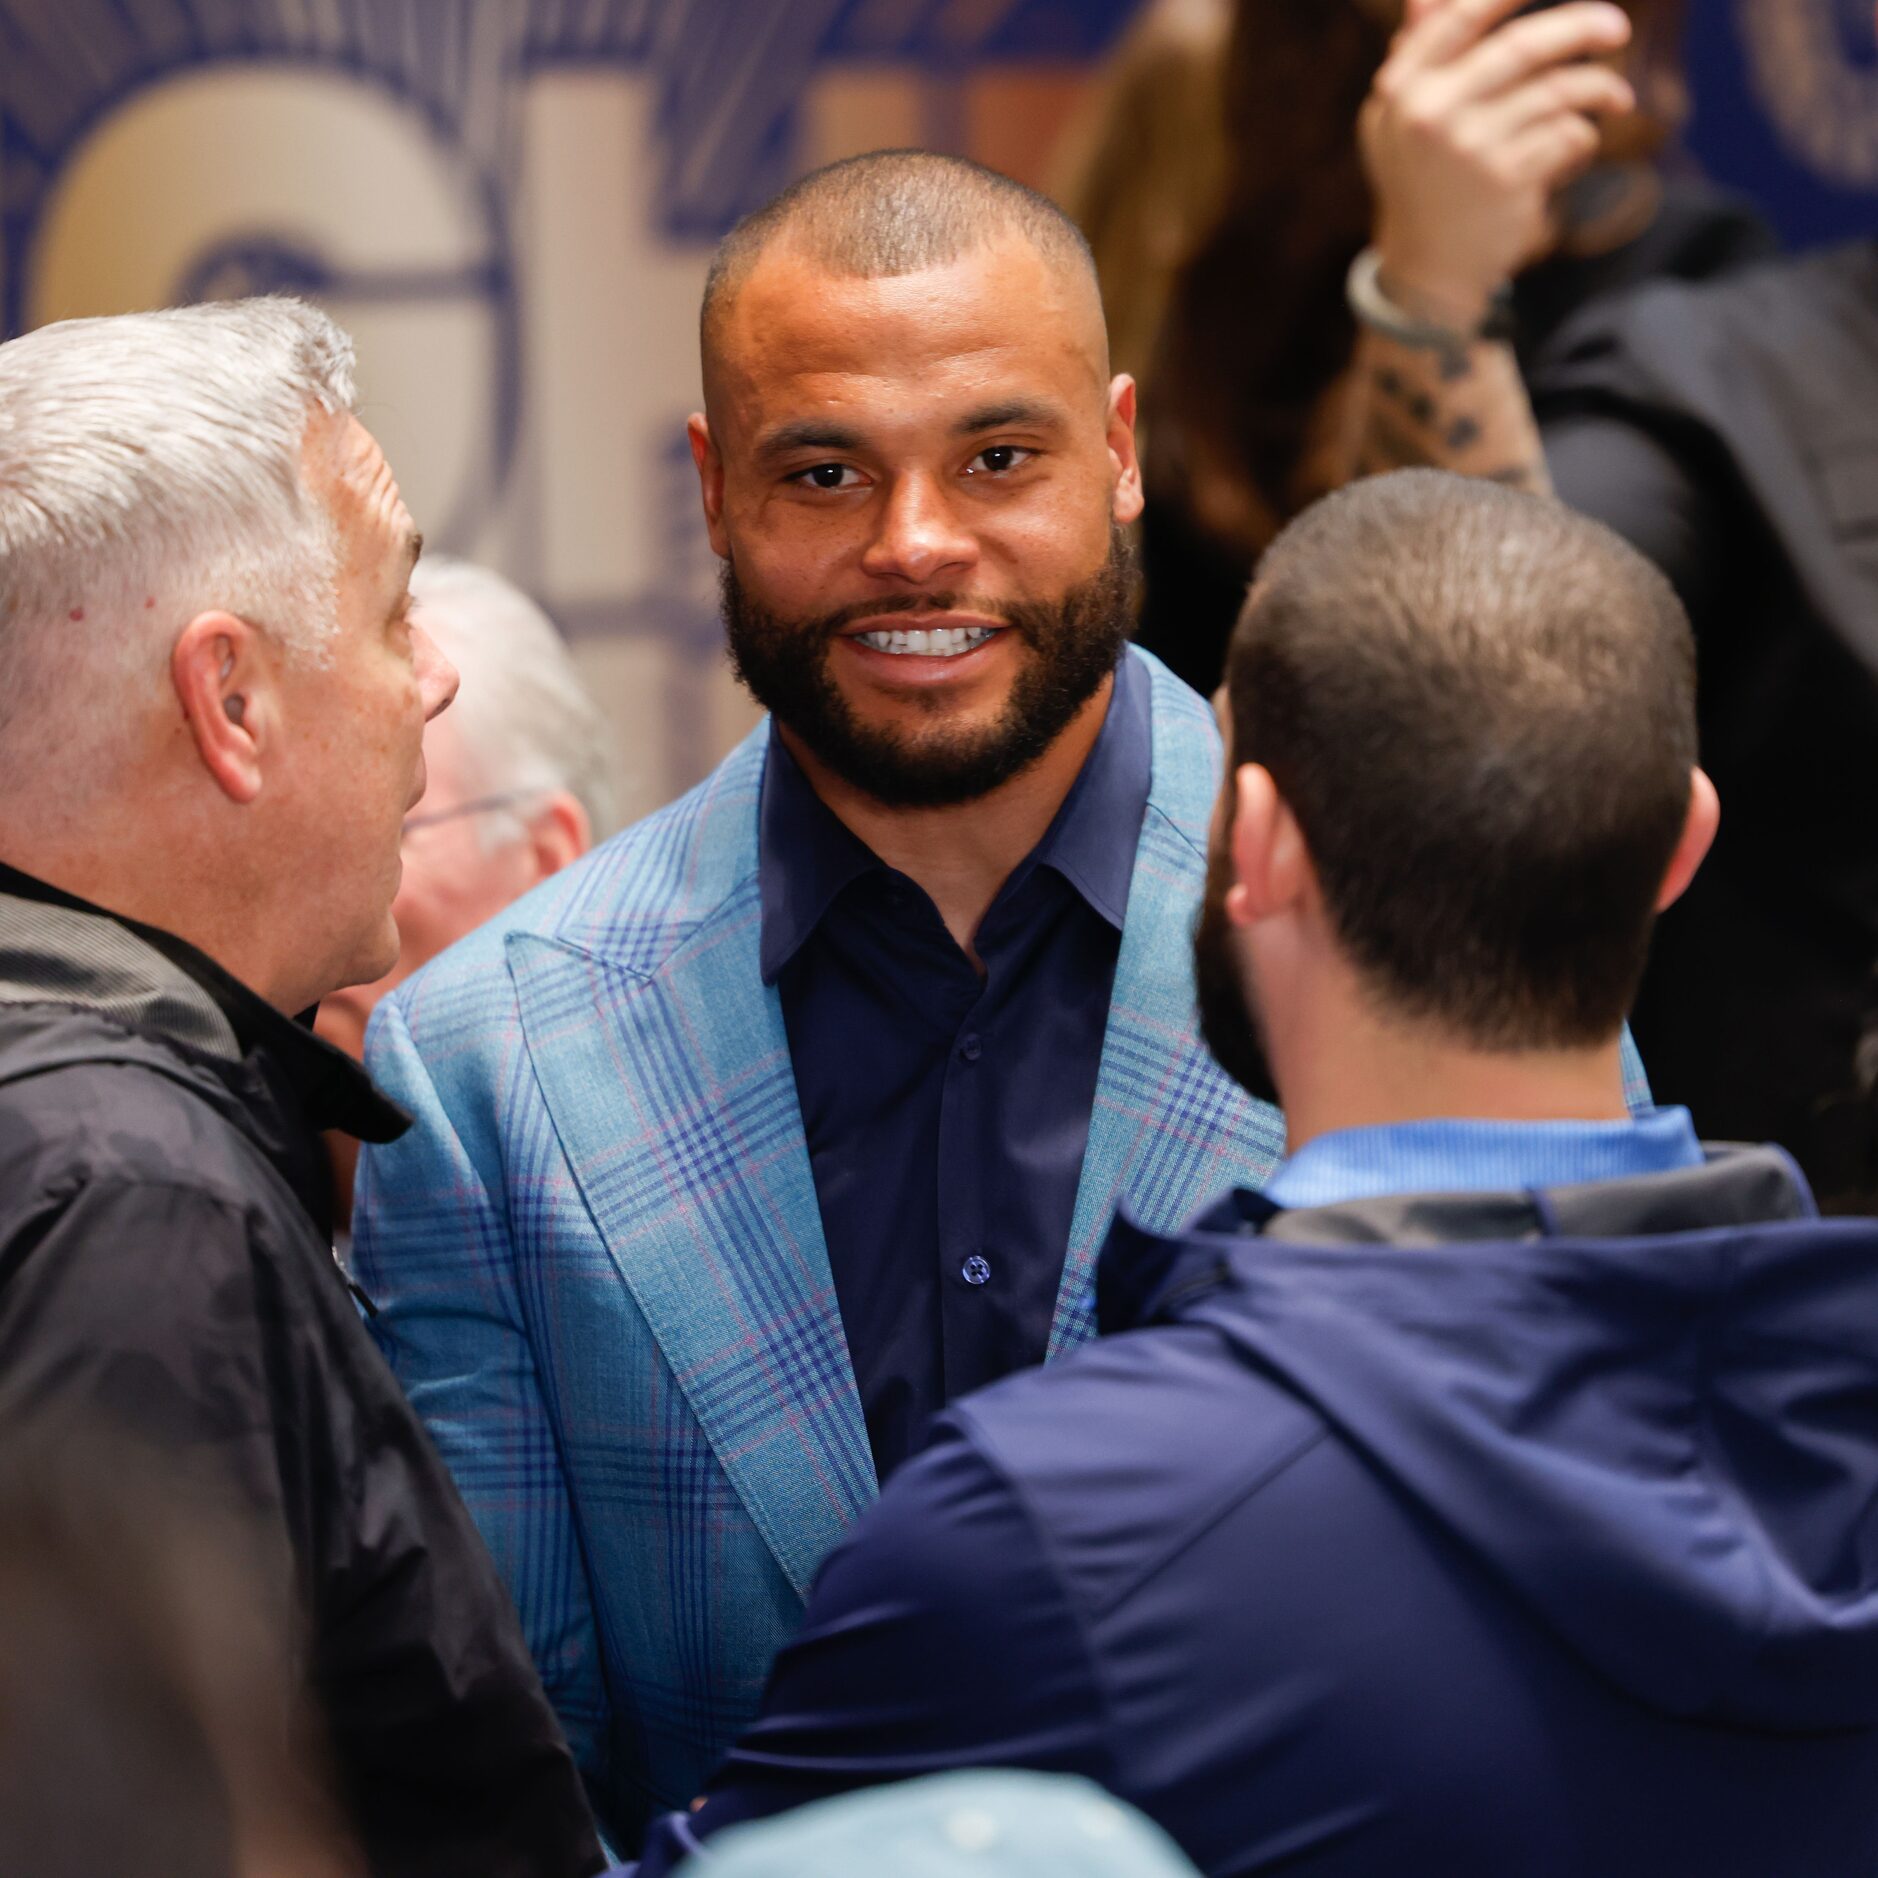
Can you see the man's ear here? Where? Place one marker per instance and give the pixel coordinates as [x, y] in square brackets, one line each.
[559, 832]
[1271, 866]
[710, 464]
[222, 672]
[1126, 503]
[1698, 833]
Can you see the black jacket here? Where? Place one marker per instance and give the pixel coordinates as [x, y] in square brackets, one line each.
[165, 1262]
[1730, 431]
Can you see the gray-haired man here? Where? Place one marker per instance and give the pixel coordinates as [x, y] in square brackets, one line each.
[212, 703]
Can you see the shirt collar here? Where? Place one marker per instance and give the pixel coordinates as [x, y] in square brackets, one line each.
[806, 855]
[1092, 841]
[334, 1091]
[1464, 1156]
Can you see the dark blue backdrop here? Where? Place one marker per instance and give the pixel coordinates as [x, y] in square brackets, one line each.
[1786, 109]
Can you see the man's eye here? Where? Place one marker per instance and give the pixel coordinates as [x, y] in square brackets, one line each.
[828, 476]
[998, 459]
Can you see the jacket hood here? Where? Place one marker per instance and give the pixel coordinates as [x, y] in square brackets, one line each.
[37, 1038]
[93, 985]
[1649, 1407]
[80, 986]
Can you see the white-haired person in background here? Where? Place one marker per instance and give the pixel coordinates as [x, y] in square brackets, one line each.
[212, 711]
[521, 783]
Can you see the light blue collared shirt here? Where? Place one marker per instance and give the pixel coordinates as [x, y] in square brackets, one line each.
[1457, 1156]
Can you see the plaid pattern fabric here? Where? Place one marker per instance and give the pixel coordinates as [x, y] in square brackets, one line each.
[599, 1260]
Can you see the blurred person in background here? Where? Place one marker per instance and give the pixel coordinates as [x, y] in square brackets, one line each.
[1142, 167]
[150, 1717]
[1248, 399]
[519, 782]
[212, 705]
[1730, 431]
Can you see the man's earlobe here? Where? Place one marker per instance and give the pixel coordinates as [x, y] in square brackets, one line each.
[1271, 862]
[559, 832]
[1127, 502]
[710, 465]
[1254, 798]
[216, 668]
[1698, 835]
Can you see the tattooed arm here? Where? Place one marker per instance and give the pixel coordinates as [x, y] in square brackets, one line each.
[1473, 124]
[1417, 408]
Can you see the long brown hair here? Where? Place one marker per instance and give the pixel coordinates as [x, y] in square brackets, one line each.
[1142, 167]
[1257, 329]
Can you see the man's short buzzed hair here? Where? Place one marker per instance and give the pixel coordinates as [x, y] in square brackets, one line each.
[893, 212]
[1480, 707]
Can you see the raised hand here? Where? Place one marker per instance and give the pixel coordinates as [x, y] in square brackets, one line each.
[1474, 123]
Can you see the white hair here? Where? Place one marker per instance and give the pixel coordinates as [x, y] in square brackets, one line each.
[150, 471]
[525, 719]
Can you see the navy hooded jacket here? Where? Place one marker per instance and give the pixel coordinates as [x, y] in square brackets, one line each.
[1525, 1533]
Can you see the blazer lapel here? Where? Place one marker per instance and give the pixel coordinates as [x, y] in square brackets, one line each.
[675, 1103]
[1170, 1130]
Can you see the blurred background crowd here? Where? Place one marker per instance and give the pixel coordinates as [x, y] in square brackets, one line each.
[511, 205]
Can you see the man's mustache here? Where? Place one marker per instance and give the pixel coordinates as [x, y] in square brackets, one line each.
[935, 604]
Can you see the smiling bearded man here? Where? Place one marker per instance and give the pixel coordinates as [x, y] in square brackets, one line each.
[1074, 647]
[798, 1110]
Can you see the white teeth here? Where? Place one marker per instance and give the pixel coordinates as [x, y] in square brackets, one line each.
[941, 642]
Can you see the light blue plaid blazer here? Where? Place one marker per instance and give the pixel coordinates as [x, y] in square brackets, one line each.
[599, 1263]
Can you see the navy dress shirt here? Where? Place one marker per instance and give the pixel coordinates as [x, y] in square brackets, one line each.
[946, 1114]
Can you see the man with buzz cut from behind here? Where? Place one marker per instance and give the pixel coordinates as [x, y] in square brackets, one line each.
[1495, 1488]
[801, 1108]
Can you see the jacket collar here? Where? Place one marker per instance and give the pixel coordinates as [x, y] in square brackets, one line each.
[59, 949]
[1143, 1276]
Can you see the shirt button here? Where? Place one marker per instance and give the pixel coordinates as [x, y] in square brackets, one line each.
[970, 1048]
[975, 1271]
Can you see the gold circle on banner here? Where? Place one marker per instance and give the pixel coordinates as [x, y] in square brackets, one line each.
[242, 157]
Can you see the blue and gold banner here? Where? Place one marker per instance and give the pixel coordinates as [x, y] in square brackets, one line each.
[1786, 110]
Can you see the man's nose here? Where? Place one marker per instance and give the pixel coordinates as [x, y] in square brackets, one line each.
[436, 676]
[919, 538]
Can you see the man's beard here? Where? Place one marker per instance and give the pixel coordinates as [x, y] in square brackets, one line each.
[1074, 644]
[1228, 1021]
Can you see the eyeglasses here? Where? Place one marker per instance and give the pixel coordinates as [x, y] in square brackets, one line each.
[482, 805]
